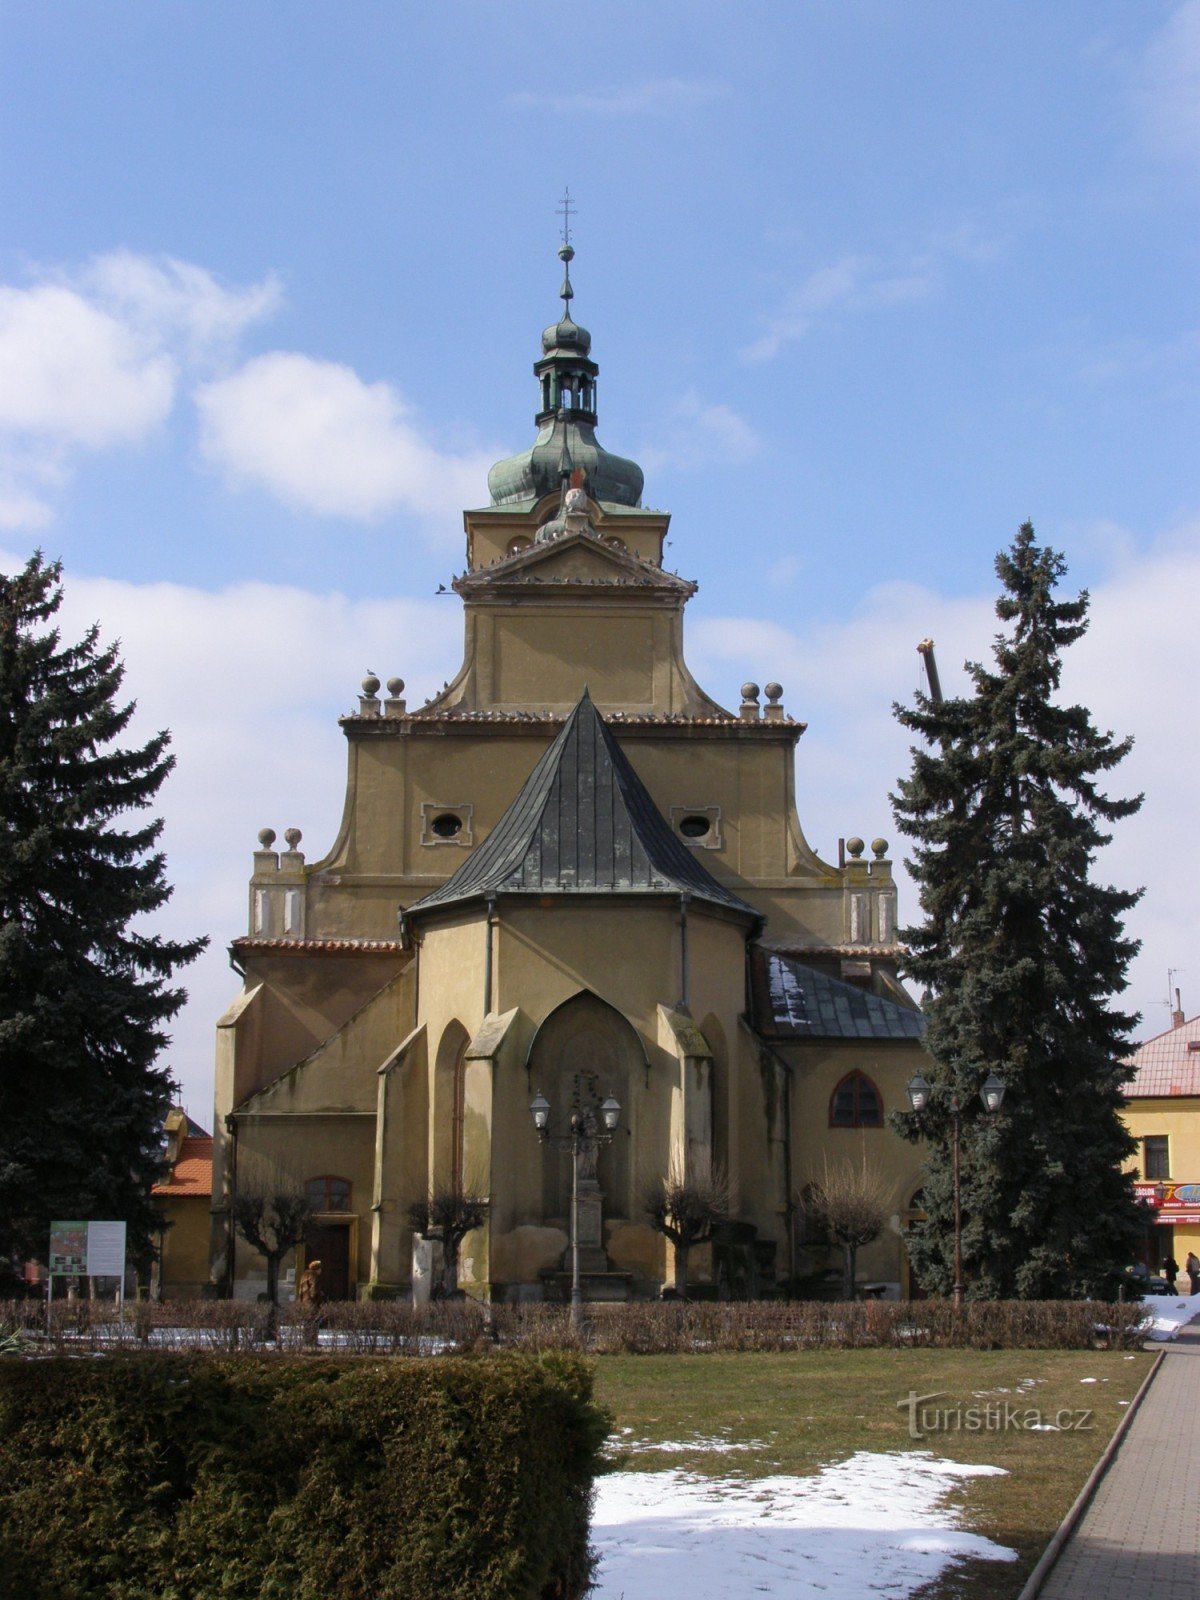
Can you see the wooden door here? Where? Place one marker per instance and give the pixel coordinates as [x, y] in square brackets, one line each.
[329, 1243]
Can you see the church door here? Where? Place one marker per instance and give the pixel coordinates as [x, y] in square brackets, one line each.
[329, 1243]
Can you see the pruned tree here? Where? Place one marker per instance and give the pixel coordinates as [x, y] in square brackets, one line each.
[848, 1205]
[1021, 954]
[271, 1211]
[85, 982]
[686, 1209]
[449, 1214]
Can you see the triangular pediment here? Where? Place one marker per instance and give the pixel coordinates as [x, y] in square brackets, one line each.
[573, 560]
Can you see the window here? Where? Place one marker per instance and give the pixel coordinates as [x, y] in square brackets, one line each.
[699, 826]
[1156, 1159]
[855, 1103]
[446, 824]
[328, 1193]
[517, 544]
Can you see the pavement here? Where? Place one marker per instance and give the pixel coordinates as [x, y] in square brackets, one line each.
[1139, 1538]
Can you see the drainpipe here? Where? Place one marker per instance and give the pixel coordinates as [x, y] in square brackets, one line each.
[487, 955]
[231, 1248]
[684, 901]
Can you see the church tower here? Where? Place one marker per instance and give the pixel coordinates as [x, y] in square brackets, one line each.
[572, 874]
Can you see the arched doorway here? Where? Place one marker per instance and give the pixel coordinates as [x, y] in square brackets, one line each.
[583, 1052]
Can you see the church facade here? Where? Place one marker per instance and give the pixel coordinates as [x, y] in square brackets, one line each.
[573, 874]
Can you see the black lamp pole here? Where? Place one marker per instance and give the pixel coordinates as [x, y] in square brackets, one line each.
[584, 1135]
[992, 1094]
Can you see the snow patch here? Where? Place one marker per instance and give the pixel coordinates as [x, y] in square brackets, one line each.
[875, 1522]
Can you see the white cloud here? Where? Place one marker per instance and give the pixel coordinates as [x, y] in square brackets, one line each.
[93, 363]
[859, 283]
[320, 439]
[1131, 669]
[165, 298]
[73, 373]
[1167, 87]
[698, 434]
[653, 97]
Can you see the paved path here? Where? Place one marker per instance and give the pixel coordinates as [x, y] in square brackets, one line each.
[1139, 1539]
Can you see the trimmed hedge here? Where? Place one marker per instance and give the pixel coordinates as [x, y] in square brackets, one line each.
[641, 1327]
[174, 1477]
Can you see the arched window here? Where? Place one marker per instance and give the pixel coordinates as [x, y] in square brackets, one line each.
[855, 1103]
[328, 1193]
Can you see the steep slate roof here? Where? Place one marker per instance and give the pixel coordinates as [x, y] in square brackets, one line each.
[1168, 1064]
[584, 823]
[795, 1001]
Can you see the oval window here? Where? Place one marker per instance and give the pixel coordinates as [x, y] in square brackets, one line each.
[695, 827]
[446, 825]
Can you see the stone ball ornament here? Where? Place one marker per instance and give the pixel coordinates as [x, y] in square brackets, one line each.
[370, 684]
[749, 691]
[855, 848]
[266, 837]
[293, 837]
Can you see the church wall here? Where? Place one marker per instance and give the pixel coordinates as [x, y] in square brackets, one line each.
[304, 998]
[304, 1147]
[817, 1070]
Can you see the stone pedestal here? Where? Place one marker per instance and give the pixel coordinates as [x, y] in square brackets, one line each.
[590, 1223]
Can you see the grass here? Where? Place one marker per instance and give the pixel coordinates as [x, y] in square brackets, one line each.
[801, 1412]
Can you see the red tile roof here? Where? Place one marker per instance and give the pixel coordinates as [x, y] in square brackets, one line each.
[192, 1173]
[1165, 1065]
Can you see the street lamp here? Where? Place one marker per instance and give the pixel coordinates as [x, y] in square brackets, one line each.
[992, 1095]
[583, 1139]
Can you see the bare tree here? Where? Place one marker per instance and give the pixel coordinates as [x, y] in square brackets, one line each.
[271, 1211]
[449, 1214]
[686, 1210]
[849, 1204]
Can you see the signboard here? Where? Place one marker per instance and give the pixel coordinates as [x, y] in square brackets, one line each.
[106, 1249]
[1171, 1202]
[68, 1249]
[87, 1249]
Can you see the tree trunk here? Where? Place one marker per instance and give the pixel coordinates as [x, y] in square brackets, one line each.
[681, 1269]
[273, 1279]
[849, 1255]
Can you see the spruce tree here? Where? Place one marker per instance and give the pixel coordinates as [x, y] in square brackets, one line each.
[1021, 955]
[84, 989]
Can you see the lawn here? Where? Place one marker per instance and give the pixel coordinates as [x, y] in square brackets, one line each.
[794, 1414]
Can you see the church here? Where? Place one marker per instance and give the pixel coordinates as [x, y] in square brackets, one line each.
[571, 876]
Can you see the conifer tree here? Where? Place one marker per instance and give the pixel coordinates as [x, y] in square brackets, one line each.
[1021, 955]
[84, 989]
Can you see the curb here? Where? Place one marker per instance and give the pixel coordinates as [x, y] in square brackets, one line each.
[1066, 1527]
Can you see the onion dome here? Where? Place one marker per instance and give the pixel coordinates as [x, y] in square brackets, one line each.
[566, 423]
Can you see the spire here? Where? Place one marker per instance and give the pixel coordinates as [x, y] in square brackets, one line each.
[566, 418]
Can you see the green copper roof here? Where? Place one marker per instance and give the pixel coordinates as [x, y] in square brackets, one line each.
[566, 422]
[540, 469]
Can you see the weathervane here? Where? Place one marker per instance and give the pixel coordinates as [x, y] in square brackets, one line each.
[566, 250]
[566, 210]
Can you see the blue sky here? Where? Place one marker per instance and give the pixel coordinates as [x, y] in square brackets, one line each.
[868, 283]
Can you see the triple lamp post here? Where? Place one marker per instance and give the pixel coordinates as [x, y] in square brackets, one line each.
[992, 1095]
[583, 1140]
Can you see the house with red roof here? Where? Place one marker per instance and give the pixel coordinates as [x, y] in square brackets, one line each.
[184, 1199]
[1162, 1112]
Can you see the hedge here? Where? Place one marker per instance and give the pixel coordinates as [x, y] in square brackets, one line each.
[396, 1328]
[199, 1477]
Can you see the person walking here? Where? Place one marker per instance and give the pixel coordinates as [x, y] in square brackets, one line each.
[1192, 1268]
[1170, 1273]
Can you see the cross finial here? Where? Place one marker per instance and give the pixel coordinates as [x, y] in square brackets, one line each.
[566, 211]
